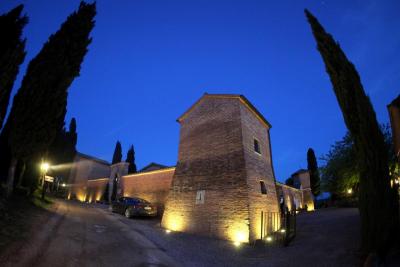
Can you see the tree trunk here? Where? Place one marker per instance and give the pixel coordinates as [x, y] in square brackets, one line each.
[10, 178]
[21, 175]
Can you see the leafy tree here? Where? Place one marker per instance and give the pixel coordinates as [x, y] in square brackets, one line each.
[378, 202]
[314, 173]
[130, 158]
[117, 156]
[12, 53]
[341, 170]
[39, 107]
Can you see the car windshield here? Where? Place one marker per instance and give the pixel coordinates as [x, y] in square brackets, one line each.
[135, 201]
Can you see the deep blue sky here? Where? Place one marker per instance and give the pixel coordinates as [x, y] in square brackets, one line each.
[150, 60]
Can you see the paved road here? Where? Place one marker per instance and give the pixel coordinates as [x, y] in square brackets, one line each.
[79, 235]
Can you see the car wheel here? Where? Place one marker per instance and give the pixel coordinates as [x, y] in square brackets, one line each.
[127, 213]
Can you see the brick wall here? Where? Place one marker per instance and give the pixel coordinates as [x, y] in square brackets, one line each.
[211, 159]
[258, 168]
[96, 189]
[292, 197]
[152, 186]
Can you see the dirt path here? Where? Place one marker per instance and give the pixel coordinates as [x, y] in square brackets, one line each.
[76, 235]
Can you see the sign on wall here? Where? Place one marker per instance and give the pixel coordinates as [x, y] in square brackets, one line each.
[200, 196]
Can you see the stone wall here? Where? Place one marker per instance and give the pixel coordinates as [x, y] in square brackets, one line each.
[152, 186]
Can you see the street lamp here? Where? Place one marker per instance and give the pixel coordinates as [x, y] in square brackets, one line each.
[349, 191]
[44, 167]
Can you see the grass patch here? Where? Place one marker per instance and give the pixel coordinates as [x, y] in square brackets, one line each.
[39, 202]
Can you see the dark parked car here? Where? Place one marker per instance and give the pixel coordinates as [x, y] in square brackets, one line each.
[132, 206]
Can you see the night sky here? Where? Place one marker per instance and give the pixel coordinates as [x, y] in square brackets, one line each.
[151, 60]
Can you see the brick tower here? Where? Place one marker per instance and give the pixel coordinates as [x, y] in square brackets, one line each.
[224, 176]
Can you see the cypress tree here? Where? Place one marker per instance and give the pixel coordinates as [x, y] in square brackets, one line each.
[130, 158]
[117, 156]
[106, 193]
[73, 135]
[378, 202]
[114, 189]
[12, 54]
[312, 167]
[39, 107]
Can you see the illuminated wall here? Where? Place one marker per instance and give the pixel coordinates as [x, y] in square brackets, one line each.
[292, 197]
[152, 186]
[83, 169]
[305, 186]
[96, 189]
[258, 166]
[216, 186]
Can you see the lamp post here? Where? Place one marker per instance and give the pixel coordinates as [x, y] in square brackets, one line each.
[44, 167]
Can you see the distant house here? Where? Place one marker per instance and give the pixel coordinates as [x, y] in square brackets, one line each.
[152, 167]
[85, 168]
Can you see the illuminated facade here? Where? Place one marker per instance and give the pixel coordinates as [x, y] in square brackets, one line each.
[224, 179]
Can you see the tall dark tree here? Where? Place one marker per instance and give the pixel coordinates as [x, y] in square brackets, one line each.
[12, 53]
[72, 134]
[378, 202]
[114, 189]
[130, 158]
[106, 193]
[117, 156]
[39, 107]
[312, 167]
[62, 150]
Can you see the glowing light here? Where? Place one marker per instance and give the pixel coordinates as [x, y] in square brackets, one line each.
[349, 191]
[63, 185]
[240, 237]
[168, 231]
[283, 230]
[45, 166]
[269, 239]
[236, 243]
[174, 222]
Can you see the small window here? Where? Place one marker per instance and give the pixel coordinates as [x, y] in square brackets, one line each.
[263, 188]
[257, 146]
[200, 196]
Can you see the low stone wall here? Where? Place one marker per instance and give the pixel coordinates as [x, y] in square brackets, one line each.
[152, 186]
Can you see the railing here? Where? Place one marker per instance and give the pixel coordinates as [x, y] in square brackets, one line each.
[278, 228]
